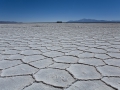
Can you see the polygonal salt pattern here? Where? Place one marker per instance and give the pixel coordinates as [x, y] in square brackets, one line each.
[95, 50]
[21, 48]
[15, 83]
[67, 56]
[55, 77]
[115, 55]
[84, 72]
[83, 48]
[53, 54]
[10, 52]
[66, 59]
[60, 65]
[113, 50]
[109, 70]
[54, 48]
[42, 63]
[18, 70]
[92, 61]
[31, 52]
[6, 64]
[86, 55]
[103, 43]
[64, 50]
[74, 53]
[40, 86]
[102, 56]
[114, 62]
[15, 57]
[112, 81]
[31, 58]
[89, 85]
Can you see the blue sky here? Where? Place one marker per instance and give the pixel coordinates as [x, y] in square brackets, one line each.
[55, 10]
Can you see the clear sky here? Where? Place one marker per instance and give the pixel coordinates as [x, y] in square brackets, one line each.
[55, 10]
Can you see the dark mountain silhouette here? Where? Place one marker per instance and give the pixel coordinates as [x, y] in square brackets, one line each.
[92, 21]
[8, 22]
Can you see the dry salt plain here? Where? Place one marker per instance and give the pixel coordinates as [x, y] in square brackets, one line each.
[64, 56]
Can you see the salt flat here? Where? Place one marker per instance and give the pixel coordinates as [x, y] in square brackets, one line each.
[60, 56]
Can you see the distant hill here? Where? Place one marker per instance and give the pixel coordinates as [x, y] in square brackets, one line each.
[92, 21]
[8, 22]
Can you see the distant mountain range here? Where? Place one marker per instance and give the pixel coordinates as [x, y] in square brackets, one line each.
[71, 21]
[8, 22]
[92, 21]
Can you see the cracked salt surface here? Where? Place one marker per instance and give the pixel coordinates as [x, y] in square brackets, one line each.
[84, 72]
[6, 64]
[67, 56]
[92, 61]
[89, 85]
[60, 65]
[109, 70]
[113, 81]
[40, 86]
[19, 70]
[53, 54]
[55, 77]
[15, 83]
[42, 63]
[31, 58]
[66, 59]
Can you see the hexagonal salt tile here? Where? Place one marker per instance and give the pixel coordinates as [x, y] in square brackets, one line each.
[114, 62]
[115, 55]
[89, 85]
[112, 81]
[15, 57]
[40, 86]
[102, 56]
[92, 61]
[5, 63]
[59, 65]
[54, 48]
[42, 63]
[66, 59]
[82, 48]
[10, 52]
[113, 50]
[28, 59]
[69, 46]
[74, 53]
[53, 54]
[19, 70]
[64, 50]
[109, 70]
[84, 72]
[102, 43]
[15, 83]
[31, 52]
[95, 50]
[21, 48]
[55, 77]
[86, 55]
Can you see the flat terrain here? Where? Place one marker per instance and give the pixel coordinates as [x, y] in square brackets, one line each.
[64, 56]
